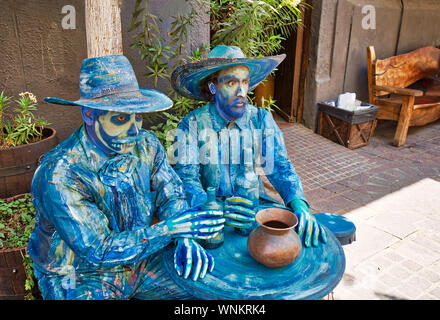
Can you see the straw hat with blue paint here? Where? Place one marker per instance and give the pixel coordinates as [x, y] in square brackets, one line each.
[109, 83]
[188, 78]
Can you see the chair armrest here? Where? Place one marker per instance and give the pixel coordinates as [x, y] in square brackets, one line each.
[402, 91]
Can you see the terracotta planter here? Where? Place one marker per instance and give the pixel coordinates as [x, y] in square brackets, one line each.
[265, 89]
[18, 164]
[12, 271]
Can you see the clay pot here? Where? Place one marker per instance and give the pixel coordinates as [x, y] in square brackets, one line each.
[274, 243]
[265, 89]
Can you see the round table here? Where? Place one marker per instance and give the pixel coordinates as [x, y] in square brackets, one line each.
[237, 275]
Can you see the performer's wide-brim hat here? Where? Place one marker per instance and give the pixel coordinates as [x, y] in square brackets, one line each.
[109, 83]
[188, 78]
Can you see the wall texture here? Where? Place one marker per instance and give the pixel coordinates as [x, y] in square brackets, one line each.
[338, 42]
[38, 55]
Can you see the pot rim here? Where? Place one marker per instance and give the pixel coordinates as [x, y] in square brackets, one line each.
[260, 213]
[17, 196]
[14, 249]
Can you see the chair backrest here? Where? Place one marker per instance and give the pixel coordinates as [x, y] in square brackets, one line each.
[402, 70]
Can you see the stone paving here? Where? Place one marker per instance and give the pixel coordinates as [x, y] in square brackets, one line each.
[323, 164]
[392, 196]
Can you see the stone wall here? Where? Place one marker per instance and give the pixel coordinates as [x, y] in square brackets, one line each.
[338, 42]
[38, 55]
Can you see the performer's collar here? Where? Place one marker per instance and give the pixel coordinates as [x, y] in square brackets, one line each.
[96, 157]
[219, 122]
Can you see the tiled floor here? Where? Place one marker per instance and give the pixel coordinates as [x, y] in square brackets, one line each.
[338, 179]
[326, 162]
[392, 196]
[397, 251]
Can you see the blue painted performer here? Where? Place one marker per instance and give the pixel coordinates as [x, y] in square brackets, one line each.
[227, 142]
[95, 195]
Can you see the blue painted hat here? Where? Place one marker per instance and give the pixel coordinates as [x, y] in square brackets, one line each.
[109, 83]
[188, 78]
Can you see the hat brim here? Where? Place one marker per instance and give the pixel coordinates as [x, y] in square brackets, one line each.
[142, 101]
[186, 79]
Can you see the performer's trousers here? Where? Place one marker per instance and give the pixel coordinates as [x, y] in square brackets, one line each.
[146, 280]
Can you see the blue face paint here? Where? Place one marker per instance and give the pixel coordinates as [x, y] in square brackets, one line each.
[231, 91]
[113, 132]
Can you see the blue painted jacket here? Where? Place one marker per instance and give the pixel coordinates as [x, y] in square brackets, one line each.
[201, 166]
[83, 223]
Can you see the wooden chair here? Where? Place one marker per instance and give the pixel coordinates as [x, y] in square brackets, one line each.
[388, 82]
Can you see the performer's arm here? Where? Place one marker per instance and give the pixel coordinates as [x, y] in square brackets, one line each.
[170, 197]
[65, 201]
[187, 165]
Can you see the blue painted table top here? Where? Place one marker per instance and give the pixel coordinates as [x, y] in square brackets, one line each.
[238, 276]
[341, 227]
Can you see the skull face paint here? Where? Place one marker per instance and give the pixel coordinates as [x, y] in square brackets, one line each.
[231, 92]
[113, 132]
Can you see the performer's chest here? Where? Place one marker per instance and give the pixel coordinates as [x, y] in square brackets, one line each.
[127, 209]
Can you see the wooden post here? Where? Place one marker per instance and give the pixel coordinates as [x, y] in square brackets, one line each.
[103, 27]
[297, 73]
[307, 18]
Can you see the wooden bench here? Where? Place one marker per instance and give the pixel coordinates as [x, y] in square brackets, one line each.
[388, 87]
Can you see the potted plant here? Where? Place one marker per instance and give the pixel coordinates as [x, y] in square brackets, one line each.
[17, 220]
[23, 139]
[258, 27]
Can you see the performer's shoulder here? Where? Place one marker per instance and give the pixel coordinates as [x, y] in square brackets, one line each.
[194, 115]
[63, 156]
[259, 114]
[259, 110]
[197, 112]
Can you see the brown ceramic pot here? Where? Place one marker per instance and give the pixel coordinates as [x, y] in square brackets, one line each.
[265, 89]
[274, 243]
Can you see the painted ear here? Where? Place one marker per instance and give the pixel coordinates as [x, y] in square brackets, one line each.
[212, 88]
[88, 115]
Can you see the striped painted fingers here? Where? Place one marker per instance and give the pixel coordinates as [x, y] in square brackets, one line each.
[196, 224]
[239, 212]
[191, 259]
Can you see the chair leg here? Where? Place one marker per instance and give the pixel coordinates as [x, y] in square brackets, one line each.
[403, 123]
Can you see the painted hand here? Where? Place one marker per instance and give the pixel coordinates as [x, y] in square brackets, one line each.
[190, 256]
[196, 224]
[239, 212]
[308, 227]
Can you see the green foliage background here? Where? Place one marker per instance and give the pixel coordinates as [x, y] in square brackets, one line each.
[258, 27]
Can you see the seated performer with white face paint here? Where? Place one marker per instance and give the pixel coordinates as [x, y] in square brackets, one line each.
[223, 143]
[95, 195]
